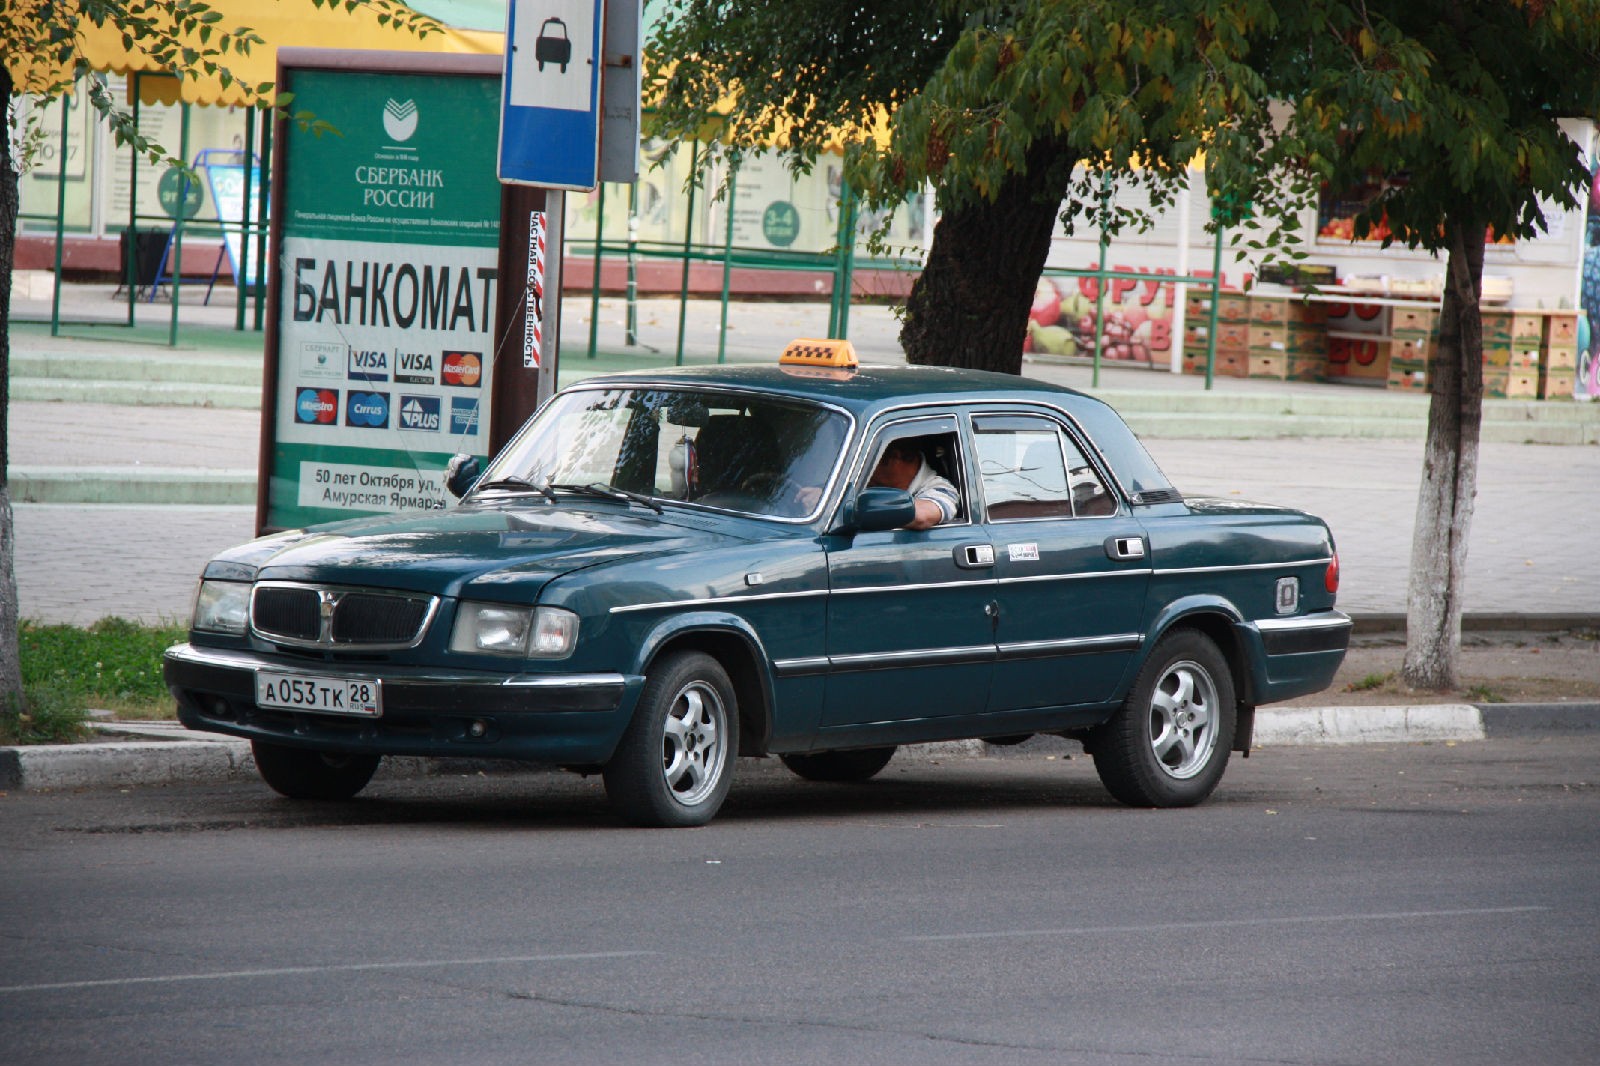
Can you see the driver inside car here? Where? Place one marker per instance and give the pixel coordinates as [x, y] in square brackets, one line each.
[903, 466]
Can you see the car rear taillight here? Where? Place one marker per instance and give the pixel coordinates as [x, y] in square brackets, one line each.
[1330, 580]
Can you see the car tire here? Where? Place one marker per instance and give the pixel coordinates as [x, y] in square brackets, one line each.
[1168, 744]
[303, 774]
[857, 765]
[675, 763]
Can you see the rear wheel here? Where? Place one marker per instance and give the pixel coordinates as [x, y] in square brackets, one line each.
[675, 763]
[300, 773]
[1168, 744]
[857, 765]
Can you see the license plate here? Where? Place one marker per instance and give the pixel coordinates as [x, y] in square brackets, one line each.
[358, 696]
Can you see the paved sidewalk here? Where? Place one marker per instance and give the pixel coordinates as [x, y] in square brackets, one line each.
[1531, 552]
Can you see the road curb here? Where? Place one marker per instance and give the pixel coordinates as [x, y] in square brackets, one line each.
[1368, 725]
[121, 764]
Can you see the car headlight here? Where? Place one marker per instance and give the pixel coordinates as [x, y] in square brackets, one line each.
[222, 606]
[526, 632]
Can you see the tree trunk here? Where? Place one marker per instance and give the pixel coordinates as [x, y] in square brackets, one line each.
[969, 307]
[1449, 472]
[10, 659]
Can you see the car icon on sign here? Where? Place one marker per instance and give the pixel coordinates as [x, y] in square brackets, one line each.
[552, 45]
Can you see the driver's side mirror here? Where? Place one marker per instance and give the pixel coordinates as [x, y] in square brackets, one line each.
[461, 473]
[881, 508]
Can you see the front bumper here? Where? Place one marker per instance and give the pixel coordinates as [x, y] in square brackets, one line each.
[566, 719]
[1292, 657]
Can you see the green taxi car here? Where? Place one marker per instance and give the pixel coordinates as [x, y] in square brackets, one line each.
[665, 571]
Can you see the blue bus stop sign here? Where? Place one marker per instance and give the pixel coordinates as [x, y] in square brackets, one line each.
[550, 96]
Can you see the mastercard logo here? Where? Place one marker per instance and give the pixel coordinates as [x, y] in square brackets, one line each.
[462, 369]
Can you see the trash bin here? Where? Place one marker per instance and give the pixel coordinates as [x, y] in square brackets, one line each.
[149, 246]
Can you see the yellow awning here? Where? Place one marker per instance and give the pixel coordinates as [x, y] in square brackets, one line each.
[280, 23]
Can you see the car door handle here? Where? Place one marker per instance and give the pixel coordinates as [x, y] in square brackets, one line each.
[974, 556]
[1125, 548]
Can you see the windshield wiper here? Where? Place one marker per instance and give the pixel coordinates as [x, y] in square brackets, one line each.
[610, 492]
[512, 481]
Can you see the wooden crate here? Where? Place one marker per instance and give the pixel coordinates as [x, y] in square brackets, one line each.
[1274, 366]
[1228, 364]
[1306, 340]
[1557, 385]
[1522, 385]
[1497, 330]
[1527, 328]
[1233, 307]
[1559, 358]
[1269, 310]
[1414, 349]
[1266, 339]
[1409, 321]
[1401, 380]
[1306, 368]
[1561, 329]
[1232, 364]
[1233, 336]
[1510, 385]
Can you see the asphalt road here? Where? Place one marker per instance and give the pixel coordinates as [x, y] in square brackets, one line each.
[1409, 904]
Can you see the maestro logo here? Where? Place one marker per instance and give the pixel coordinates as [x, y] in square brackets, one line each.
[316, 407]
[367, 410]
[400, 119]
[419, 412]
[462, 369]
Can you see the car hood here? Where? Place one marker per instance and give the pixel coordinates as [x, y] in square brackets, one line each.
[441, 552]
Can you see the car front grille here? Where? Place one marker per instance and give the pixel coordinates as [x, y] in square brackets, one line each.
[326, 617]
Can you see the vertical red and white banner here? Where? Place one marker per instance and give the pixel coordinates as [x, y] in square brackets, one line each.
[533, 316]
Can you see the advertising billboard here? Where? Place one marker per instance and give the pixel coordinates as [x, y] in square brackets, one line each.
[386, 231]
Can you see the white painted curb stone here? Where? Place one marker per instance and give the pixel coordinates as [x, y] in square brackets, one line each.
[1368, 725]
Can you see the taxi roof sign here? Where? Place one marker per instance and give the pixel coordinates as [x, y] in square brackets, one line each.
[810, 351]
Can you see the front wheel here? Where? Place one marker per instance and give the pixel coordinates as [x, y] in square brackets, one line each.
[300, 773]
[1169, 742]
[857, 765]
[674, 766]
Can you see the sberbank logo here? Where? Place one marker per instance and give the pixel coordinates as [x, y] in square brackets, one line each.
[400, 119]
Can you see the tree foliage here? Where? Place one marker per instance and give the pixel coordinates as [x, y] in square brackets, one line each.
[1002, 107]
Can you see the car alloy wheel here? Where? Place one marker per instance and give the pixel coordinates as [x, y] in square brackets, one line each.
[674, 765]
[1183, 717]
[1168, 744]
[693, 752]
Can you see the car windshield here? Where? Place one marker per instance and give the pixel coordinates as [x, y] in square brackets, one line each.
[740, 452]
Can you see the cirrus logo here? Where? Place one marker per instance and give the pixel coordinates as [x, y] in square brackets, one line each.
[316, 407]
[400, 119]
[367, 410]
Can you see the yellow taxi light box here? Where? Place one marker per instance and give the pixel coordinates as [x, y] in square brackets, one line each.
[808, 351]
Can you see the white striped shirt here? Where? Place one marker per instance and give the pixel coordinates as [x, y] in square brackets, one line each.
[928, 485]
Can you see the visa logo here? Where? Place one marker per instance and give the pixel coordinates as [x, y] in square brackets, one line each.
[414, 368]
[368, 365]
